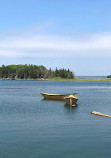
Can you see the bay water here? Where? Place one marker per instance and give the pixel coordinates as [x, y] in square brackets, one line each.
[31, 127]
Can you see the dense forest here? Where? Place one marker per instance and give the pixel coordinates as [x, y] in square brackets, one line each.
[15, 72]
[109, 76]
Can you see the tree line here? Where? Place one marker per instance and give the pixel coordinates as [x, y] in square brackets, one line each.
[32, 72]
[109, 76]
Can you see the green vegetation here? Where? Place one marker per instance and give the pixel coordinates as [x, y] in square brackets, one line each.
[109, 76]
[34, 72]
[76, 79]
[15, 72]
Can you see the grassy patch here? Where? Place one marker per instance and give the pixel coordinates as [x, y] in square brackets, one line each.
[64, 79]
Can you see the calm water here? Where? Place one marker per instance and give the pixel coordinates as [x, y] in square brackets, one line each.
[33, 128]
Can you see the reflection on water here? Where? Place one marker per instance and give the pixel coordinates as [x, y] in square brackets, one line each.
[53, 100]
[69, 106]
[63, 101]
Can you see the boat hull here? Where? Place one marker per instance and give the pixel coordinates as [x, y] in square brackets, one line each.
[71, 101]
[54, 96]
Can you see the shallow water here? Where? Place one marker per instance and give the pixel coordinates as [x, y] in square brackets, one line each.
[92, 77]
[31, 127]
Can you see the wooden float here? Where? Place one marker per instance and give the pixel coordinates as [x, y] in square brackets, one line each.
[100, 114]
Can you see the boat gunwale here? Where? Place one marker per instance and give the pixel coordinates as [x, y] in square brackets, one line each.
[57, 94]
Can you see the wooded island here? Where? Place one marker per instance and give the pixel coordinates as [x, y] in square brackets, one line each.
[16, 72]
[109, 76]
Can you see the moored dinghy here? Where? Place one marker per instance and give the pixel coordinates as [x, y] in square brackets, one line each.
[71, 100]
[55, 96]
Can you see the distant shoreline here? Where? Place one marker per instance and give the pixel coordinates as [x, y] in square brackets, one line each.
[60, 79]
[79, 79]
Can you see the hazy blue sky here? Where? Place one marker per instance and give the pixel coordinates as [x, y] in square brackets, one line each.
[73, 34]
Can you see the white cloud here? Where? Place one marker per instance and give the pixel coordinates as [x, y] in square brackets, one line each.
[8, 53]
[39, 45]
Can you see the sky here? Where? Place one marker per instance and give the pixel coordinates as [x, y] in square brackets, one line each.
[74, 34]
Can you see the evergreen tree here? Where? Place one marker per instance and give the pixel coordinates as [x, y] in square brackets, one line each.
[32, 72]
